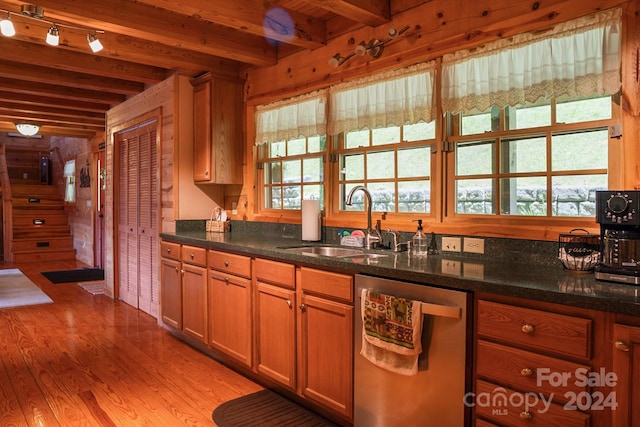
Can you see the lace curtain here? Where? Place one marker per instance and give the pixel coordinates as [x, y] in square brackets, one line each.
[579, 58]
[394, 98]
[302, 116]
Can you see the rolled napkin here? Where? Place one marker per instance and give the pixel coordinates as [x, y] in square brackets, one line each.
[391, 333]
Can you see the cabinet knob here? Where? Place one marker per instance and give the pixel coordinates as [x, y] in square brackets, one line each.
[177, 269]
[206, 173]
[191, 255]
[621, 345]
[527, 329]
[302, 306]
[182, 271]
[526, 415]
[226, 280]
[226, 263]
[526, 372]
[289, 303]
[168, 250]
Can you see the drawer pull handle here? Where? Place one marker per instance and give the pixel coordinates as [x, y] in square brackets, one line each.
[621, 345]
[226, 263]
[526, 415]
[527, 329]
[289, 303]
[526, 372]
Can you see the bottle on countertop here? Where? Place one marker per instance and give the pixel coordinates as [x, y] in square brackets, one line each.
[419, 244]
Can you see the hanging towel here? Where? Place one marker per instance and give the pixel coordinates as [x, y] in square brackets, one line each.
[391, 332]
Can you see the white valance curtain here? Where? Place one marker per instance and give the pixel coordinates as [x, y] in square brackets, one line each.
[578, 58]
[302, 116]
[393, 98]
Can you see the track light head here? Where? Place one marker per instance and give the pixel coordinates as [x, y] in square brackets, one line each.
[6, 27]
[94, 43]
[53, 36]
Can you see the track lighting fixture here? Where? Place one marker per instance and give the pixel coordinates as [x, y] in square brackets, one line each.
[6, 27]
[27, 129]
[53, 35]
[373, 48]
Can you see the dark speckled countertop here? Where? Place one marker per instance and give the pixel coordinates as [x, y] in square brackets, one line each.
[542, 282]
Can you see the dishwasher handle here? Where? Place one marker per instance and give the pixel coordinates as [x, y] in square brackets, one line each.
[452, 311]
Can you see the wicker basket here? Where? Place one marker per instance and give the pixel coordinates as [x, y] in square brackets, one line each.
[215, 225]
[579, 253]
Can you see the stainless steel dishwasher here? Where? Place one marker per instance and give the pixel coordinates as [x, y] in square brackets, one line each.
[435, 396]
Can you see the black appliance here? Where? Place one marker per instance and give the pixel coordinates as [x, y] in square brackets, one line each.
[618, 213]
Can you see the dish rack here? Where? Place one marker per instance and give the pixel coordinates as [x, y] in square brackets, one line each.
[579, 253]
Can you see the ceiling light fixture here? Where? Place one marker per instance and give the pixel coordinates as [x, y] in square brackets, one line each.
[27, 129]
[6, 27]
[53, 34]
[373, 48]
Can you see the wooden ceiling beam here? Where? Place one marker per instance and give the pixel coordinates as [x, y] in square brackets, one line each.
[49, 110]
[36, 100]
[43, 119]
[256, 17]
[43, 56]
[57, 91]
[368, 12]
[152, 23]
[69, 78]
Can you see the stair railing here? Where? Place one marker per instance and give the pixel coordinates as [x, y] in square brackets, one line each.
[7, 207]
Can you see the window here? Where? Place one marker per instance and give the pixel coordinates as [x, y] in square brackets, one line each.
[69, 175]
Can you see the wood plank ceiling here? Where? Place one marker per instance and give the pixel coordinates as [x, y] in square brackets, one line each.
[67, 89]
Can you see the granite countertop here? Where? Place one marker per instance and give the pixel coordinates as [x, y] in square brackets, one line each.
[477, 274]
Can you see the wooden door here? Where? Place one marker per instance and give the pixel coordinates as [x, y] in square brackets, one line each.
[138, 188]
[100, 189]
[276, 333]
[202, 132]
[325, 335]
[626, 365]
[230, 315]
[194, 301]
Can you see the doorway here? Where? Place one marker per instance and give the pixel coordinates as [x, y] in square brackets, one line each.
[100, 189]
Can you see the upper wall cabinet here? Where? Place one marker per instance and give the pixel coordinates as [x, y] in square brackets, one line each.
[217, 133]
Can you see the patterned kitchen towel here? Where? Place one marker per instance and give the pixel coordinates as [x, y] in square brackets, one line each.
[391, 333]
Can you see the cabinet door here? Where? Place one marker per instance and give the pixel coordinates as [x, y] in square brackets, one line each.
[626, 365]
[275, 333]
[194, 301]
[170, 279]
[230, 315]
[202, 132]
[325, 367]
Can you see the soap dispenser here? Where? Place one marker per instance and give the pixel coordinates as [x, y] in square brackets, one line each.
[419, 244]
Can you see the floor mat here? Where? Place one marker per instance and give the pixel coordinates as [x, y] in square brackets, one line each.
[80, 275]
[17, 290]
[266, 409]
[93, 287]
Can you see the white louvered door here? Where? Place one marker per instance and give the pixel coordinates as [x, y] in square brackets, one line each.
[138, 217]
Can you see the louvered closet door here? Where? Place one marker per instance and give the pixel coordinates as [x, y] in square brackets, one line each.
[138, 217]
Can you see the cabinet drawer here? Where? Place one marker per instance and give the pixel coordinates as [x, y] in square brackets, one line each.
[194, 255]
[327, 283]
[507, 407]
[229, 263]
[277, 273]
[170, 250]
[529, 371]
[536, 329]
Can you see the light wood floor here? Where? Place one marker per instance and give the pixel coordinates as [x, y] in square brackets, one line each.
[90, 361]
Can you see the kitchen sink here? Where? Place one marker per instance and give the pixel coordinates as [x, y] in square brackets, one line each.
[332, 251]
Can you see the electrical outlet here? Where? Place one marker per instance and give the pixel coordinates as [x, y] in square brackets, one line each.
[473, 245]
[451, 267]
[451, 244]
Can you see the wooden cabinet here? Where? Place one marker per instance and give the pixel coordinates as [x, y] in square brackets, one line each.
[626, 366]
[217, 133]
[229, 305]
[325, 333]
[183, 282]
[275, 313]
[522, 352]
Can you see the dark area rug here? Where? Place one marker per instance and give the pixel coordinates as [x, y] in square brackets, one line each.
[80, 275]
[266, 409]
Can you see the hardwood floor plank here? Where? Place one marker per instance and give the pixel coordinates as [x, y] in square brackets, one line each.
[89, 360]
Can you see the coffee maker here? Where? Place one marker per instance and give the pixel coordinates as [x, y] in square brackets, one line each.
[618, 213]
